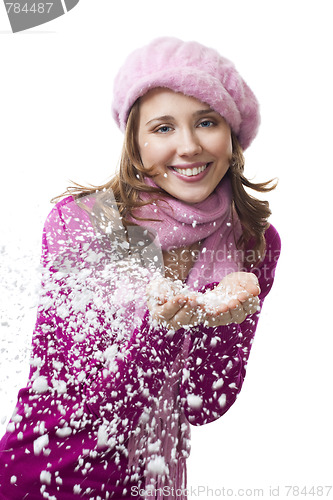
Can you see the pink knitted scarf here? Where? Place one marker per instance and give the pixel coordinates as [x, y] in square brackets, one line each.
[210, 221]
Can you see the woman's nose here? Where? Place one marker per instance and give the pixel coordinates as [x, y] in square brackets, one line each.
[188, 144]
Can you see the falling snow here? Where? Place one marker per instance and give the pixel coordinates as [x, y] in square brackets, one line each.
[194, 401]
[110, 390]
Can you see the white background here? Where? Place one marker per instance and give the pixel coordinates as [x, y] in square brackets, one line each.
[56, 125]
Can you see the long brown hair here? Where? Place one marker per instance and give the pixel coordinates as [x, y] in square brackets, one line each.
[128, 182]
[252, 212]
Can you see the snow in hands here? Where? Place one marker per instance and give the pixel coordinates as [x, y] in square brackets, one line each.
[175, 305]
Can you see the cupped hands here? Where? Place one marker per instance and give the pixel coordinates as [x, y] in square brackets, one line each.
[174, 306]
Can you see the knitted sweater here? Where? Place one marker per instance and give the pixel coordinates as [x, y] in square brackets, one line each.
[108, 403]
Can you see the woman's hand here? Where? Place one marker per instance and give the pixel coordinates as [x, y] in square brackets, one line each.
[178, 312]
[235, 297]
[172, 308]
[226, 314]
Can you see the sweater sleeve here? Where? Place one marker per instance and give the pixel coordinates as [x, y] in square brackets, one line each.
[88, 349]
[216, 364]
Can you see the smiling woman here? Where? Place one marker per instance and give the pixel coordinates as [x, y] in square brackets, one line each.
[151, 290]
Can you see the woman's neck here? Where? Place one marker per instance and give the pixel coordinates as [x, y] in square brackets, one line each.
[179, 261]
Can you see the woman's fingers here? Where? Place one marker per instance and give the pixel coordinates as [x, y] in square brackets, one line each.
[243, 295]
[252, 305]
[189, 310]
[185, 316]
[241, 283]
[178, 312]
[253, 288]
[170, 308]
[221, 319]
[238, 314]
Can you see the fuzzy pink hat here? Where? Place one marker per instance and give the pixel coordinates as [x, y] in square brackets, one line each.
[194, 70]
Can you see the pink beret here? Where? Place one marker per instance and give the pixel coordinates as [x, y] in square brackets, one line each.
[194, 70]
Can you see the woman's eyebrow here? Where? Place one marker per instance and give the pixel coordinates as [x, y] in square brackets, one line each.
[161, 118]
[204, 112]
[172, 118]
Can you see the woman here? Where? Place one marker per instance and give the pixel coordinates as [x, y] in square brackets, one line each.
[151, 293]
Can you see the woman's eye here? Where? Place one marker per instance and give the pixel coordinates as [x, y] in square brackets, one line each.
[164, 129]
[206, 123]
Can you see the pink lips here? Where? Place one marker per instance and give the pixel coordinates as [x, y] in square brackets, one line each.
[193, 178]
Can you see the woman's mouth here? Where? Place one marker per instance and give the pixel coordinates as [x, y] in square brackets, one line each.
[193, 173]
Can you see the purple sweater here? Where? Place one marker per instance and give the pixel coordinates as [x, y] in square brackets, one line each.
[91, 421]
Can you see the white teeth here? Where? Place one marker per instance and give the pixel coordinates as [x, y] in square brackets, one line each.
[189, 172]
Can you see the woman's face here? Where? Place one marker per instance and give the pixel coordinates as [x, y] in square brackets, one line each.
[187, 142]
